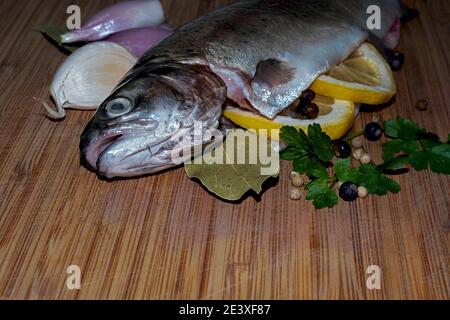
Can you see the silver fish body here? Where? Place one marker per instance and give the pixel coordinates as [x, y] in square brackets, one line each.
[308, 36]
[260, 53]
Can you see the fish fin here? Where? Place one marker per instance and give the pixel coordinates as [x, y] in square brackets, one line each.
[271, 73]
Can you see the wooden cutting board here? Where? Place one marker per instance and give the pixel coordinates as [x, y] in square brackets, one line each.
[165, 237]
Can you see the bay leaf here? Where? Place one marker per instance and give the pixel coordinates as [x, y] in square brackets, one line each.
[232, 181]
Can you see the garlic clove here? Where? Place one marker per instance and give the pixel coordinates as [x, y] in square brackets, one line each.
[88, 76]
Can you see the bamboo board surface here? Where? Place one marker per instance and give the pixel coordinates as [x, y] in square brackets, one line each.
[165, 237]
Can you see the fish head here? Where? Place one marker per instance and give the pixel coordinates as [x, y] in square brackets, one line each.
[135, 130]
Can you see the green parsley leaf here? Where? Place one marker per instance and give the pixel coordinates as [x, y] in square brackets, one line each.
[419, 160]
[301, 165]
[375, 181]
[320, 143]
[317, 169]
[311, 166]
[294, 137]
[343, 171]
[396, 163]
[308, 153]
[402, 128]
[443, 150]
[418, 147]
[391, 185]
[440, 159]
[393, 147]
[321, 194]
[410, 146]
[391, 128]
[292, 153]
[429, 144]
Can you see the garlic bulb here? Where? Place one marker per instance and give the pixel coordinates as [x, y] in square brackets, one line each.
[87, 77]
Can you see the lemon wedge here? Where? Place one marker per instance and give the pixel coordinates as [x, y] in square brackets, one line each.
[335, 117]
[364, 77]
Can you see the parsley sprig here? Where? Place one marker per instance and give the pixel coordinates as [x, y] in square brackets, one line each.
[366, 175]
[311, 154]
[414, 146]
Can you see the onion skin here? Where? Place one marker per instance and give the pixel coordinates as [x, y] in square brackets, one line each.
[140, 40]
[118, 17]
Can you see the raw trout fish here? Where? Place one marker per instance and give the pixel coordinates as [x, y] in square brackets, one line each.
[260, 53]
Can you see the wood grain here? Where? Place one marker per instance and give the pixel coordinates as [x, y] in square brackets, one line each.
[165, 237]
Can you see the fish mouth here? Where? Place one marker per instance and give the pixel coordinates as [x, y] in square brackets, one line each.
[113, 154]
[133, 156]
[92, 148]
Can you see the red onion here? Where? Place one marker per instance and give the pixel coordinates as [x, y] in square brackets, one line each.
[393, 37]
[140, 40]
[118, 17]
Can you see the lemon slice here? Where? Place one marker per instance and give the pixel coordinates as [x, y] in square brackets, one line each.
[335, 117]
[364, 77]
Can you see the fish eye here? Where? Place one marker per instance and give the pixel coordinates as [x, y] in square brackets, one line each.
[118, 106]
